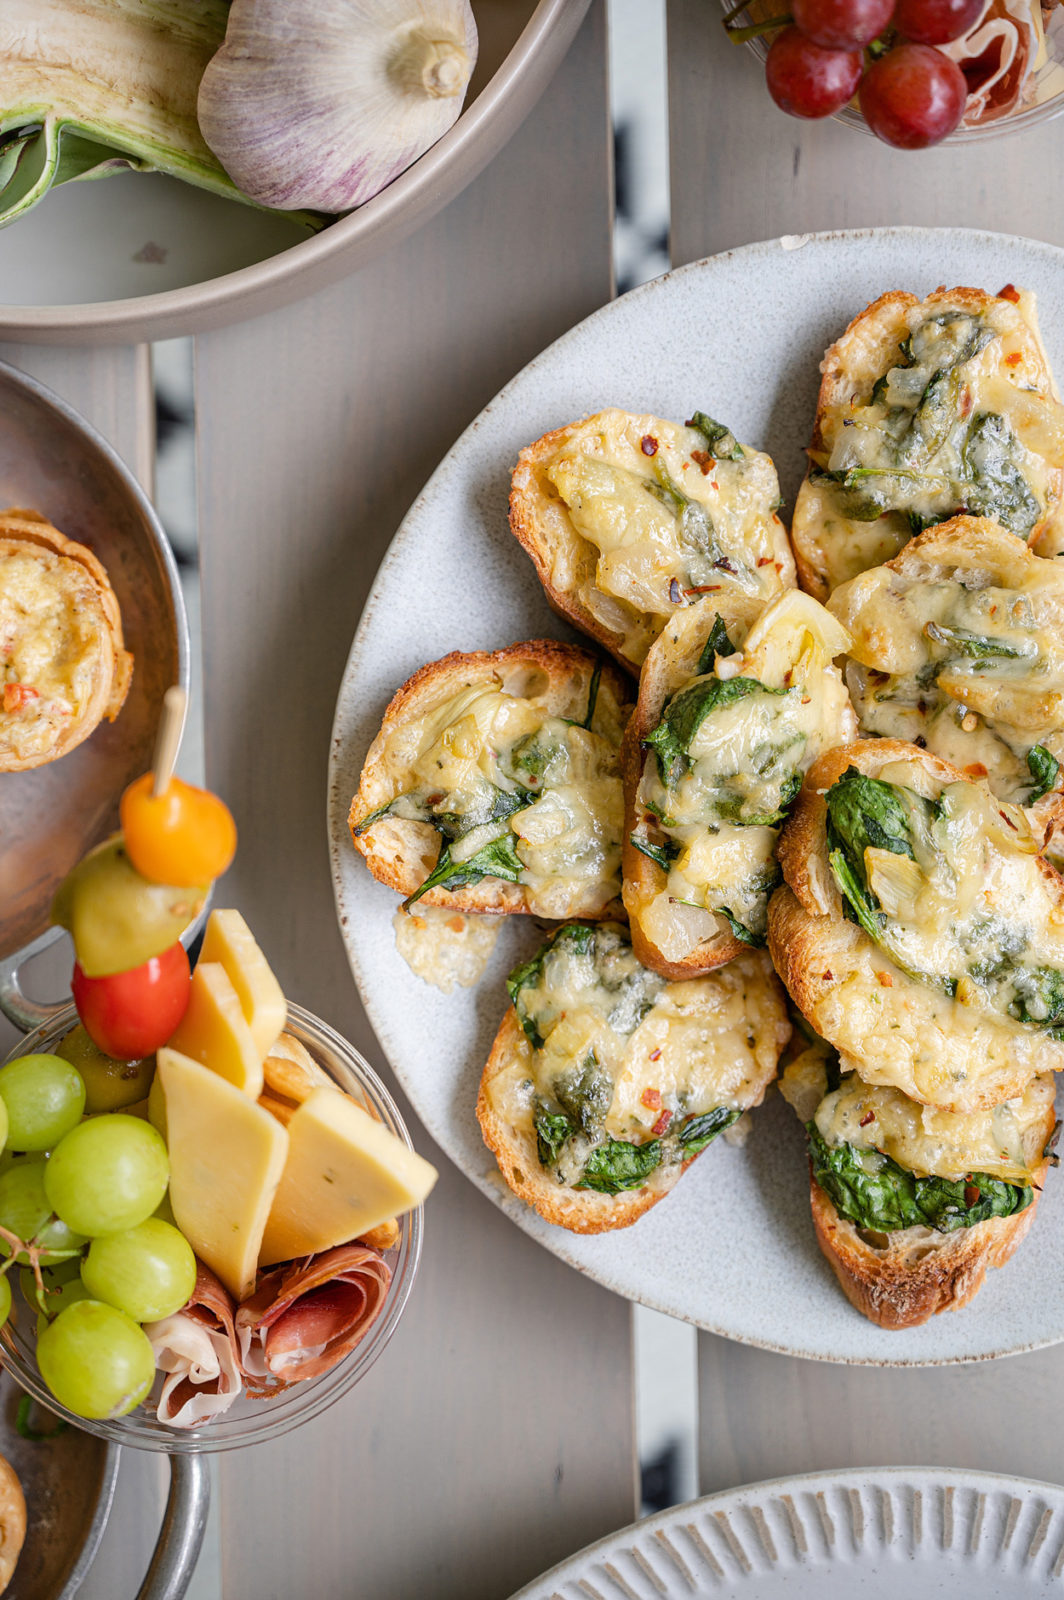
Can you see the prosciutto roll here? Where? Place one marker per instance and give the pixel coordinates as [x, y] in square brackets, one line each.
[306, 1315]
[197, 1349]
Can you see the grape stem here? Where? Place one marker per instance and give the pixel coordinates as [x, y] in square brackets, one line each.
[32, 1251]
[756, 29]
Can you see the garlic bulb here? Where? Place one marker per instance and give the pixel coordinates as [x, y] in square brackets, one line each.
[321, 106]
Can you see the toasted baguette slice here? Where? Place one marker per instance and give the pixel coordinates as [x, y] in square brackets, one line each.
[715, 1041]
[935, 1048]
[902, 1277]
[63, 665]
[1008, 377]
[628, 519]
[922, 664]
[725, 864]
[450, 726]
[905, 1278]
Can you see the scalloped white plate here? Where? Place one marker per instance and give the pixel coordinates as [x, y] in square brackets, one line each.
[884, 1534]
[740, 336]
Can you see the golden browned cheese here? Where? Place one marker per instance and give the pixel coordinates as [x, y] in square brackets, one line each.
[928, 408]
[959, 642]
[630, 518]
[63, 666]
[744, 763]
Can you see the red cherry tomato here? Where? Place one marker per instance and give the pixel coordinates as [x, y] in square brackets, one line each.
[130, 1014]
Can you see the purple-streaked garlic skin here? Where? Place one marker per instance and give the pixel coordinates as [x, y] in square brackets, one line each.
[320, 107]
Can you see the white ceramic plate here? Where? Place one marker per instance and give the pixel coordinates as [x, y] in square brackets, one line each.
[739, 336]
[148, 257]
[880, 1534]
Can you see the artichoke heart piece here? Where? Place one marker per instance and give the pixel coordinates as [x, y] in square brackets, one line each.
[92, 87]
[896, 881]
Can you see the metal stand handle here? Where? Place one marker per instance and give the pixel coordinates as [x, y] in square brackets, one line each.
[184, 1520]
[25, 1013]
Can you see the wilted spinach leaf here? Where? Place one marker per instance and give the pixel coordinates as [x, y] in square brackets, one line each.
[1044, 769]
[1039, 998]
[720, 441]
[696, 1132]
[874, 1192]
[618, 1165]
[497, 859]
[663, 855]
[579, 936]
[718, 644]
[998, 486]
[553, 1129]
[685, 713]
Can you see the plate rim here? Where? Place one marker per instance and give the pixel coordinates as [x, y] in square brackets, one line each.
[303, 269]
[820, 1479]
[337, 804]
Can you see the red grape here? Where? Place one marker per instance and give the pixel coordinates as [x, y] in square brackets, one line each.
[806, 80]
[913, 97]
[844, 24]
[937, 21]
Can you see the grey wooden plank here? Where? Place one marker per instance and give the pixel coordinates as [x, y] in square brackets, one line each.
[742, 170]
[767, 1416]
[495, 1435]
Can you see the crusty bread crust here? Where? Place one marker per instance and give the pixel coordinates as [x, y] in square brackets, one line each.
[401, 854]
[900, 1031]
[917, 1272]
[565, 561]
[841, 367]
[671, 660]
[579, 1210]
[22, 530]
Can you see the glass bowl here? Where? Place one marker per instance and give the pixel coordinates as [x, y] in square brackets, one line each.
[1043, 91]
[248, 1421]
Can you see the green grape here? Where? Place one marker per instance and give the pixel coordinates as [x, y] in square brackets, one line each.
[109, 1084]
[25, 1210]
[148, 1271]
[44, 1097]
[95, 1360]
[60, 1286]
[108, 1174]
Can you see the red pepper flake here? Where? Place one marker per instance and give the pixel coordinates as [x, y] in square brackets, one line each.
[807, 699]
[971, 1190]
[705, 461]
[715, 485]
[966, 402]
[764, 561]
[651, 1098]
[976, 770]
[865, 1120]
[674, 591]
[826, 976]
[1009, 292]
[17, 695]
[704, 588]
[648, 444]
[655, 1055]
[1014, 359]
[662, 1123]
[885, 979]
[1008, 822]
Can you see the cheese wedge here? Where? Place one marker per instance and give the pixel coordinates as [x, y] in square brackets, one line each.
[229, 941]
[226, 1159]
[215, 1032]
[345, 1174]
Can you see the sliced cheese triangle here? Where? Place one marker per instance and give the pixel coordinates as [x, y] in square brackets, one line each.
[226, 1159]
[215, 1032]
[229, 941]
[345, 1174]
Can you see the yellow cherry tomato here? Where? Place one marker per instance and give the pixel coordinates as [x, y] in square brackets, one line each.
[184, 836]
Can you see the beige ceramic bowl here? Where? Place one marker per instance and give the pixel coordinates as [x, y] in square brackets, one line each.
[146, 257]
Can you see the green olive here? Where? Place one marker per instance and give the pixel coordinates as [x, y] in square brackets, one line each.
[117, 918]
[109, 1084]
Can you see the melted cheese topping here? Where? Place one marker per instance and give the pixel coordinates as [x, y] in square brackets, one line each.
[948, 410]
[1005, 1142]
[54, 643]
[486, 766]
[670, 522]
[720, 820]
[968, 659]
[445, 947]
[661, 1051]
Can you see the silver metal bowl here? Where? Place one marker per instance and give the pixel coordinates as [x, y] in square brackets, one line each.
[53, 462]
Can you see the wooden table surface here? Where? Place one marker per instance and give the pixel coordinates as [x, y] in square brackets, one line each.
[453, 1471]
